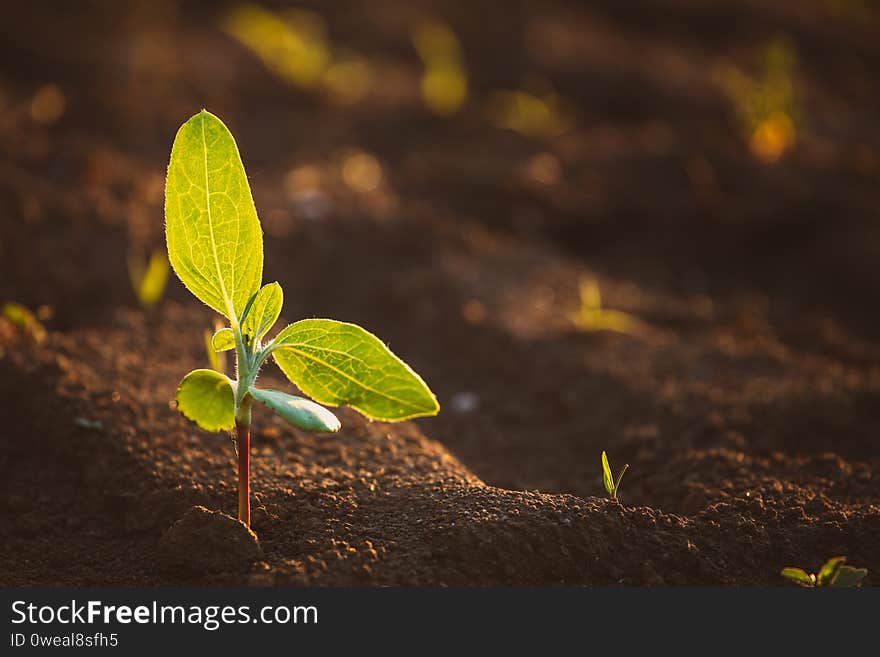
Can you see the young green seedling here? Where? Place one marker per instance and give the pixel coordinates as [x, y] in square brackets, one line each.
[215, 245]
[834, 573]
[611, 485]
[591, 316]
[148, 279]
[25, 320]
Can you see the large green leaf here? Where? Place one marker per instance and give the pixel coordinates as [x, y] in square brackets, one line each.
[206, 397]
[215, 243]
[263, 312]
[302, 413]
[338, 363]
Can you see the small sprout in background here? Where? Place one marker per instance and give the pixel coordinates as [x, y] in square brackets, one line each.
[591, 316]
[530, 114]
[217, 343]
[148, 279]
[215, 245]
[213, 357]
[28, 323]
[834, 573]
[611, 485]
[767, 102]
[444, 82]
[293, 44]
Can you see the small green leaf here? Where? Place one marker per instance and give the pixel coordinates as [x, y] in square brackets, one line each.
[619, 477]
[798, 576]
[214, 238]
[607, 477]
[206, 397]
[300, 412]
[828, 572]
[263, 312]
[247, 308]
[337, 363]
[847, 576]
[223, 340]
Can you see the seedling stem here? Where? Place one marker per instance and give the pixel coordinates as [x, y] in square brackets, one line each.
[243, 432]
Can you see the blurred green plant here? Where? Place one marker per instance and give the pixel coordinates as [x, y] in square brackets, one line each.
[148, 279]
[293, 44]
[611, 485]
[444, 83]
[23, 319]
[766, 102]
[530, 114]
[215, 245]
[591, 316]
[834, 573]
[216, 358]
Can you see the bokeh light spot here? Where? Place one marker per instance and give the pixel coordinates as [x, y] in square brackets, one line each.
[48, 104]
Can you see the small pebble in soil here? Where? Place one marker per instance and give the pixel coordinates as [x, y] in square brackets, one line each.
[85, 423]
[205, 541]
[465, 402]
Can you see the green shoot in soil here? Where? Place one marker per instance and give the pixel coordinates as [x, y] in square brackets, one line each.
[611, 485]
[215, 245]
[834, 573]
[24, 320]
[591, 316]
[148, 279]
[216, 358]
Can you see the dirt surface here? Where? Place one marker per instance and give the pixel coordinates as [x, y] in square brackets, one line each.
[746, 401]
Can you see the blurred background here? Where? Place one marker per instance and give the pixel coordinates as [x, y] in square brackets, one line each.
[643, 226]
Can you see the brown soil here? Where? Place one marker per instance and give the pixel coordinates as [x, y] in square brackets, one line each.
[748, 405]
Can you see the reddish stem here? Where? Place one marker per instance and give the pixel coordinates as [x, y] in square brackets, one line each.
[243, 437]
